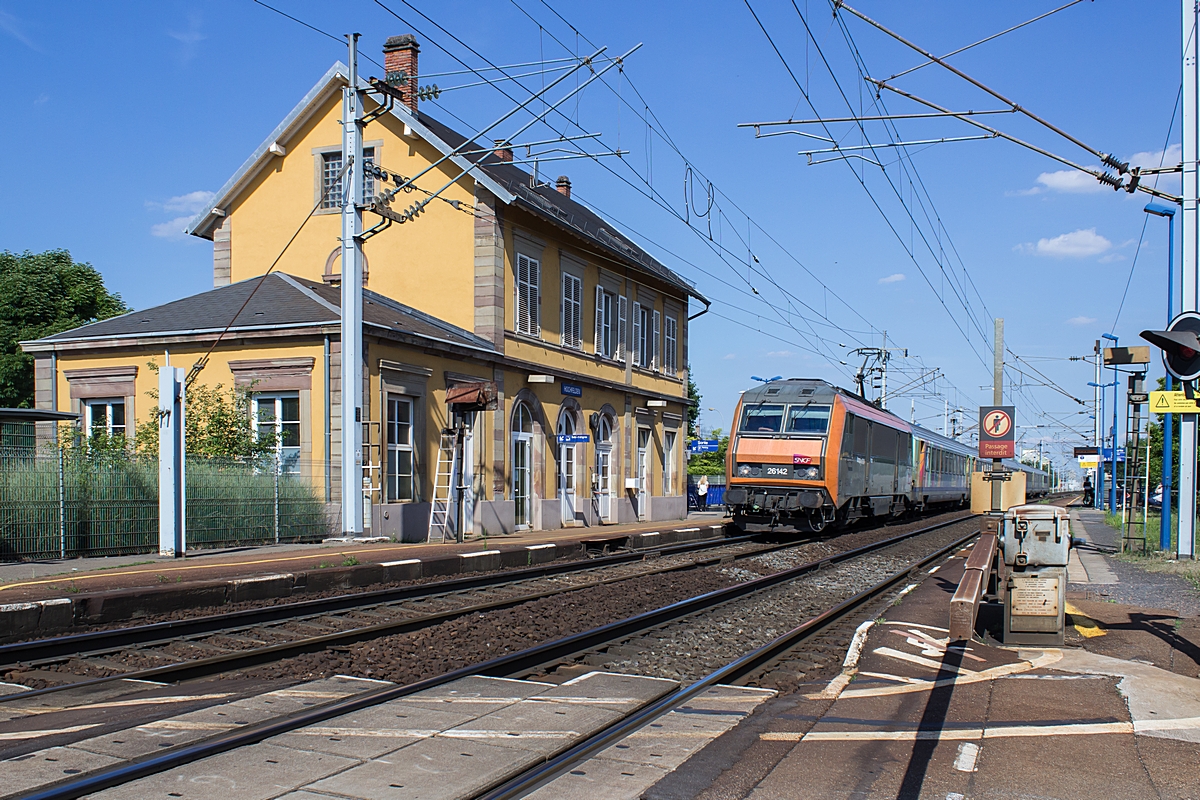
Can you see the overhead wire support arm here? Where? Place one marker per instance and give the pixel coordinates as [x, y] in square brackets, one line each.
[849, 148]
[877, 118]
[1121, 166]
[1104, 178]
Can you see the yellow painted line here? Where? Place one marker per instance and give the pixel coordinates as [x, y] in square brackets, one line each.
[1087, 627]
[140, 701]
[274, 560]
[18, 735]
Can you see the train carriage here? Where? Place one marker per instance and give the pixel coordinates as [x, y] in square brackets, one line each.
[806, 454]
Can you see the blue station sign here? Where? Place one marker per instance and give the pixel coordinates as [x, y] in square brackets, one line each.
[1108, 453]
[574, 438]
[703, 446]
[571, 389]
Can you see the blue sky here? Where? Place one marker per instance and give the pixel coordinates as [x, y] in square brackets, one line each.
[123, 117]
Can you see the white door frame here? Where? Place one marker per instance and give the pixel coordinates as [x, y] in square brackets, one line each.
[566, 467]
[643, 471]
[604, 448]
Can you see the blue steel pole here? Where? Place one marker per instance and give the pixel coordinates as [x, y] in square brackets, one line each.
[1164, 533]
[1112, 487]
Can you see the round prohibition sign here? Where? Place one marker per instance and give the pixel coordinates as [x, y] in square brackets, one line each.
[997, 423]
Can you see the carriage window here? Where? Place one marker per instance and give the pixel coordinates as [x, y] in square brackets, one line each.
[808, 419]
[862, 431]
[761, 418]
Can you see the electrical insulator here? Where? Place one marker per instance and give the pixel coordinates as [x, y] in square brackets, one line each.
[1110, 180]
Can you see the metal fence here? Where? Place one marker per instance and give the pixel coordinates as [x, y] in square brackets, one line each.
[63, 504]
[263, 502]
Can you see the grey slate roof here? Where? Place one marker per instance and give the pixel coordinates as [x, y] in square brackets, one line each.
[281, 301]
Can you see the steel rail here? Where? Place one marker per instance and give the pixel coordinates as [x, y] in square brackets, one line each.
[96, 642]
[512, 663]
[241, 659]
[545, 772]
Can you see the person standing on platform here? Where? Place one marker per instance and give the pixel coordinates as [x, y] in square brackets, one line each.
[702, 493]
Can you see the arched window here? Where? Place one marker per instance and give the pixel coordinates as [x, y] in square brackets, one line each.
[522, 419]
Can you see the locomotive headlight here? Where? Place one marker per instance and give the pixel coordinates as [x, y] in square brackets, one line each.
[811, 473]
[744, 471]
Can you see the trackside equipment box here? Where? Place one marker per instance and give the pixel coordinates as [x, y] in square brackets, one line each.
[1035, 543]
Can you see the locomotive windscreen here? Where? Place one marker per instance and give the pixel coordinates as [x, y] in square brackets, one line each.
[808, 419]
[762, 418]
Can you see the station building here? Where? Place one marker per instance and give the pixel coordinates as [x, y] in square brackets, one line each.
[570, 337]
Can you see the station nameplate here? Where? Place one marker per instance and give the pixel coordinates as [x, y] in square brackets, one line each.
[1034, 597]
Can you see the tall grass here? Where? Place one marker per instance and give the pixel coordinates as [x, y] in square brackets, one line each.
[107, 504]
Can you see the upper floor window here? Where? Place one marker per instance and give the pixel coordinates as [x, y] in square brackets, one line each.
[529, 277]
[605, 323]
[572, 311]
[105, 417]
[643, 335]
[655, 338]
[331, 183]
[279, 413]
[671, 346]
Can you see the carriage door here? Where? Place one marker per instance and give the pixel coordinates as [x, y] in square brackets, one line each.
[566, 467]
[643, 472]
[604, 470]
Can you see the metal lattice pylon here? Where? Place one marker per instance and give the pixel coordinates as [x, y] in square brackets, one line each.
[443, 486]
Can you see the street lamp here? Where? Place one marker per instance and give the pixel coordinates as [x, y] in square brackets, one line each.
[1112, 489]
[1164, 528]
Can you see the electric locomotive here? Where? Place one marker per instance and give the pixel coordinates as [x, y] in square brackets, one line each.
[806, 454]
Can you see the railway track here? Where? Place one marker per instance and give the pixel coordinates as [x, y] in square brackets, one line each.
[918, 550]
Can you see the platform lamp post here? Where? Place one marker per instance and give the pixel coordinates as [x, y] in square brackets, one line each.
[1100, 471]
[1164, 531]
[1112, 489]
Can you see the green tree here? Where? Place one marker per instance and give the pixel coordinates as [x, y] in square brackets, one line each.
[693, 409]
[217, 424]
[710, 463]
[43, 294]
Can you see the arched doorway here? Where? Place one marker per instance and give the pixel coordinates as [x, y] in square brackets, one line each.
[603, 487]
[522, 469]
[566, 465]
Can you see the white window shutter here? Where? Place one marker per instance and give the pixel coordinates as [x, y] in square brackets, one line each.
[577, 321]
[599, 332]
[622, 327]
[637, 334]
[655, 352]
[535, 298]
[671, 346]
[522, 310]
[564, 310]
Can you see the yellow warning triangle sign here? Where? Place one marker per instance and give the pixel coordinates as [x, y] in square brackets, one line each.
[1161, 402]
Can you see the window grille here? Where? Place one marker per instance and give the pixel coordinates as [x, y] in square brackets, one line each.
[332, 185]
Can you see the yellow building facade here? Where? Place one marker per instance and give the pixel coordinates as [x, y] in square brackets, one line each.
[576, 336]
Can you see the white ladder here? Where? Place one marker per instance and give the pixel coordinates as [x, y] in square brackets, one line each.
[443, 486]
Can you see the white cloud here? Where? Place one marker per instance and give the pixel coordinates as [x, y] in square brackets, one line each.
[1172, 156]
[1076, 244]
[1069, 181]
[186, 205]
[171, 229]
[190, 39]
[895, 277]
[780, 354]
[1111, 258]
[12, 26]
[1081, 321]
[190, 203]
[729, 357]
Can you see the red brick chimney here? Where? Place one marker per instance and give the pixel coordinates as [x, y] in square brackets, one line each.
[563, 184]
[502, 153]
[400, 55]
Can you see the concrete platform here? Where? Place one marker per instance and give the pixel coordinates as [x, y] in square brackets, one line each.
[909, 717]
[40, 598]
[449, 742]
